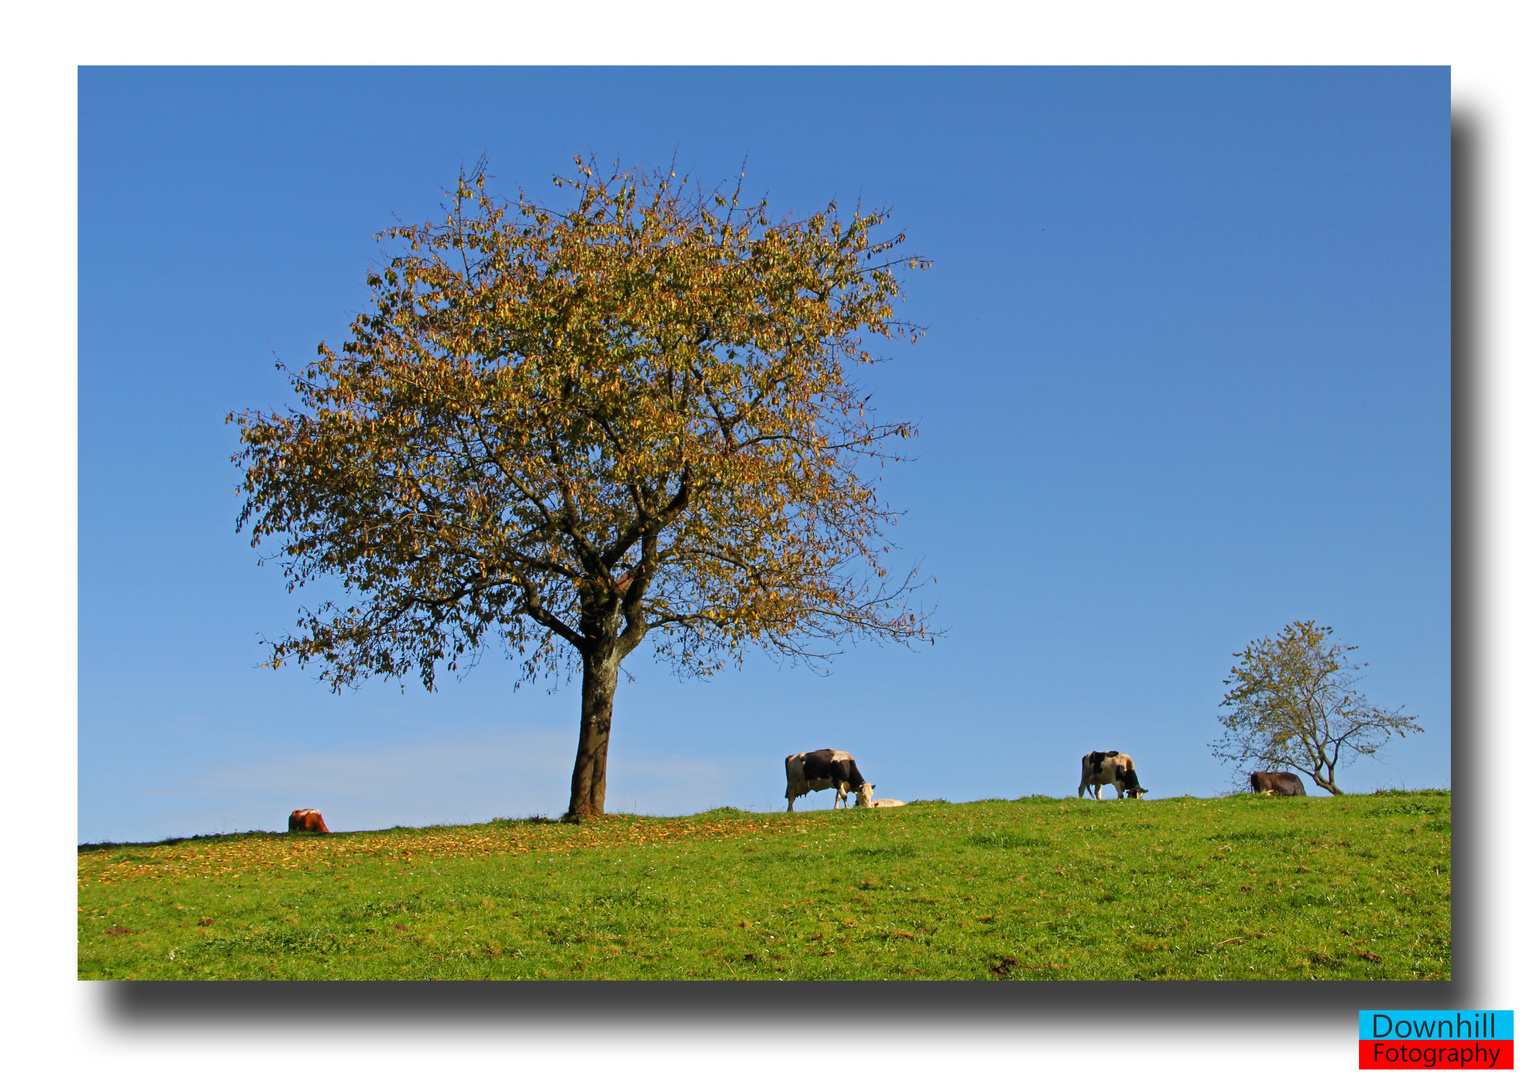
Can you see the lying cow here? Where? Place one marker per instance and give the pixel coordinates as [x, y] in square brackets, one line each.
[1277, 783]
[881, 804]
[822, 769]
[306, 821]
[1110, 767]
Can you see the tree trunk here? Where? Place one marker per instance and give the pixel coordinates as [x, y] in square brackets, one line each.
[1329, 767]
[601, 670]
[1328, 782]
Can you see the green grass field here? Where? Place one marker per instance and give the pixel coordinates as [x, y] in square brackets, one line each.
[1244, 887]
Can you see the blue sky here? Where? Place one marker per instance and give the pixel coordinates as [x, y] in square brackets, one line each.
[1185, 380]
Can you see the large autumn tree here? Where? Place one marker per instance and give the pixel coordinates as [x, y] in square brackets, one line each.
[566, 429]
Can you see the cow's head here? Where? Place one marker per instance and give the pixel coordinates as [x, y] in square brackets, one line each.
[1133, 788]
[863, 795]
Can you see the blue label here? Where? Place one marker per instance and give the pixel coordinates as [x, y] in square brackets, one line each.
[1409, 1025]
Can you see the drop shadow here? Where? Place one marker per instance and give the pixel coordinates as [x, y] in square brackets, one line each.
[1467, 444]
[615, 1006]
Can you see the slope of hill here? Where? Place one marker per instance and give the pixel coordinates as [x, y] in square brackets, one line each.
[1244, 887]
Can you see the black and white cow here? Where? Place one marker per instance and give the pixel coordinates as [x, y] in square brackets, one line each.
[822, 769]
[1277, 783]
[1110, 767]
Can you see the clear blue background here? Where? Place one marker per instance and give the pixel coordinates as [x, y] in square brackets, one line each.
[1186, 379]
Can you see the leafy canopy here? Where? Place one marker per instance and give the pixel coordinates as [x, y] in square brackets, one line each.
[1293, 706]
[570, 427]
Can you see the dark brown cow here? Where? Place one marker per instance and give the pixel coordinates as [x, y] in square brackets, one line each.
[1110, 767]
[309, 820]
[822, 769]
[1277, 783]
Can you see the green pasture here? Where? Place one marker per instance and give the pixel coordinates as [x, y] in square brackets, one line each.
[1243, 887]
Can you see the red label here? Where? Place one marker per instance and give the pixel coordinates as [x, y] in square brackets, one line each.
[1440, 1054]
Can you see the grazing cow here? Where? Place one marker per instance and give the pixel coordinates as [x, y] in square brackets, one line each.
[306, 821]
[1110, 767]
[881, 804]
[822, 769]
[1277, 783]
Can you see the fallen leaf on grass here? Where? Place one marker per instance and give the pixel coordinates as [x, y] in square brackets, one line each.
[118, 931]
[1369, 957]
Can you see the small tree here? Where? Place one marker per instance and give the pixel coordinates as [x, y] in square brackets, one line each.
[1293, 707]
[570, 428]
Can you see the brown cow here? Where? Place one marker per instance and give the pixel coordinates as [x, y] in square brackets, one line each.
[1277, 783]
[309, 820]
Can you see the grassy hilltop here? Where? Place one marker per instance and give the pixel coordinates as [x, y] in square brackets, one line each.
[1244, 887]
